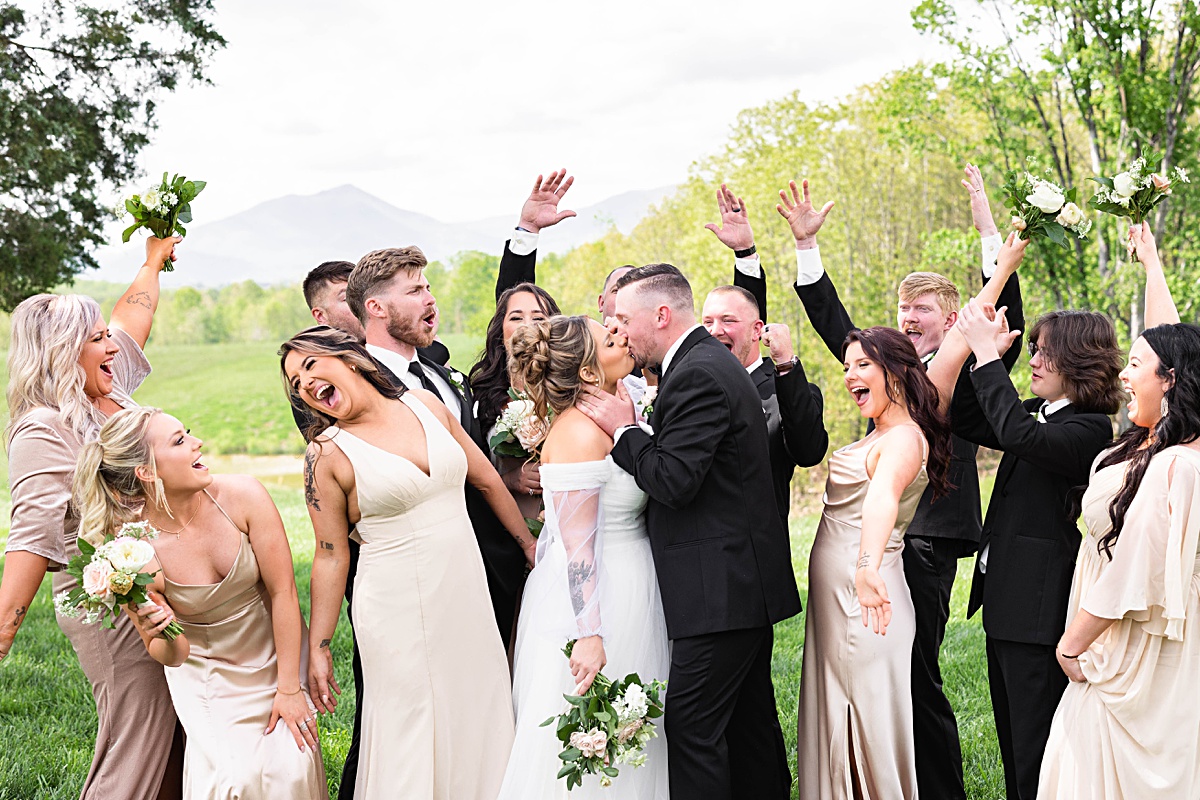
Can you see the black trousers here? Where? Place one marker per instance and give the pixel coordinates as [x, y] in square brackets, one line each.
[1026, 684]
[930, 565]
[723, 734]
[350, 768]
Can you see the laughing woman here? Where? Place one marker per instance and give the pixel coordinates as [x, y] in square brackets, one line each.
[68, 371]
[225, 568]
[437, 712]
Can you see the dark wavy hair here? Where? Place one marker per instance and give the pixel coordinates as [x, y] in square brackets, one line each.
[1082, 347]
[1178, 349]
[905, 375]
[489, 377]
[322, 340]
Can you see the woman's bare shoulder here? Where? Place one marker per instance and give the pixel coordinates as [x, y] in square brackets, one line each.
[575, 438]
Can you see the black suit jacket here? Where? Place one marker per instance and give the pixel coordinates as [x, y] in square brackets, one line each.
[1033, 536]
[794, 409]
[957, 515]
[720, 550]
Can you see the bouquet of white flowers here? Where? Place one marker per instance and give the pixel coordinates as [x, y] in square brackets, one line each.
[608, 725]
[111, 576]
[1137, 190]
[163, 208]
[1042, 208]
[518, 431]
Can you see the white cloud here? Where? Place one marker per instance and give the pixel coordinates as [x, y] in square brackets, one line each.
[451, 109]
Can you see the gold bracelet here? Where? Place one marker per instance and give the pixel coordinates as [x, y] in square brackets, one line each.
[289, 694]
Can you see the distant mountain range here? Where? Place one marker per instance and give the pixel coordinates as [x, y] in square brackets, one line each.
[280, 240]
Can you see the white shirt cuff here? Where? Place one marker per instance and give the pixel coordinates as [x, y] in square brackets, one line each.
[639, 424]
[522, 243]
[991, 248]
[750, 265]
[809, 268]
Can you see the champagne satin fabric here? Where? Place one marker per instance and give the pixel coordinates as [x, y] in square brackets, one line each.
[855, 692]
[224, 692]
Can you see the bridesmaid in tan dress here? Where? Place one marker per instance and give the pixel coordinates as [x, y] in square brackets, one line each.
[855, 717]
[224, 566]
[1128, 725]
[68, 371]
[437, 712]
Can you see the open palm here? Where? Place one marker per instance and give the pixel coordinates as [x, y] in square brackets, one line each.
[541, 207]
[801, 216]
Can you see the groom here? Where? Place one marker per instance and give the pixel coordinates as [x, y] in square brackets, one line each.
[721, 553]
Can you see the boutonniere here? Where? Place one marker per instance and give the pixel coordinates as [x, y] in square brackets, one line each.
[645, 406]
[458, 381]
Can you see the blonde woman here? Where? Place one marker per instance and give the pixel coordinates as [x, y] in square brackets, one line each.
[68, 370]
[594, 580]
[225, 569]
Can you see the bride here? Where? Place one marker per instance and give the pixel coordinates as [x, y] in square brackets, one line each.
[594, 579]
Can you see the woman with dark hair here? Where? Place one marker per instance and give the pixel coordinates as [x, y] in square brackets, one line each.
[490, 382]
[1128, 725]
[855, 720]
[437, 716]
[1030, 539]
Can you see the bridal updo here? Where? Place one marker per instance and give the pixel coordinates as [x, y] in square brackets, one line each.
[553, 360]
[108, 491]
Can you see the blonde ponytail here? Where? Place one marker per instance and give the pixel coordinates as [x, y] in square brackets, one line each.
[108, 492]
[547, 359]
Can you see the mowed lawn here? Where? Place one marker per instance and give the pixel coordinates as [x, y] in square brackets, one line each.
[231, 395]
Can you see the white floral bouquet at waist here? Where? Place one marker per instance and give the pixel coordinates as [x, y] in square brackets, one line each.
[111, 576]
[609, 724]
[518, 432]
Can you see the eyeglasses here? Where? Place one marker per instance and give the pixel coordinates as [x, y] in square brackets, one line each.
[1034, 350]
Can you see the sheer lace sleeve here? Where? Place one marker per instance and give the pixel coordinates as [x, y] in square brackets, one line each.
[577, 513]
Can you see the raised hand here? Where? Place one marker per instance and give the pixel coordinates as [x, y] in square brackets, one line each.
[778, 337]
[160, 252]
[981, 209]
[1011, 254]
[734, 231]
[985, 329]
[801, 217]
[1141, 244]
[541, 207]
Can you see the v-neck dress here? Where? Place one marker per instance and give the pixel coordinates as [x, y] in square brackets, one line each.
[437, 708]
[225, 690]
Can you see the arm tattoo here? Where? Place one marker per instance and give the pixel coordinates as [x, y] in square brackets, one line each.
[310, 480]
[326, 545]
[578, 573]
[20, 613]
[324, 644]
[140, 299]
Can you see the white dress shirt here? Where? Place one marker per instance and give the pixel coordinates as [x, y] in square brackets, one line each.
[398, 364]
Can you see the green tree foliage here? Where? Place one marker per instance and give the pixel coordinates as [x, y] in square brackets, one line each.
[78, 86]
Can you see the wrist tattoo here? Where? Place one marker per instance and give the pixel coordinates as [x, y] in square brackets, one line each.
[864, 561]
[324, 645]
[139, 299]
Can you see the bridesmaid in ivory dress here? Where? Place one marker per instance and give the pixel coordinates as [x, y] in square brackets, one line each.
[224, 569]
[437, 711]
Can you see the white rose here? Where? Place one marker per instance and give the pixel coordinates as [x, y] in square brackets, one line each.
[129, 554]
[1124, 185]
[95, 580]
[151, 199]
[1018, 224]
[1047, 197]
[1070, 215]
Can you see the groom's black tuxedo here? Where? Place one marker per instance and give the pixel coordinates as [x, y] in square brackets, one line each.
[724, 569]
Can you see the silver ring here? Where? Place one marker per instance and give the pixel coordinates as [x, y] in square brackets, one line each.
[302, 725]
[531, 492]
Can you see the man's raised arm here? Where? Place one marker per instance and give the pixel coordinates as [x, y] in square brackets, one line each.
[518, 263]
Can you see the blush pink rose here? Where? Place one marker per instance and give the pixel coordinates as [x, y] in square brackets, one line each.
[95, 581]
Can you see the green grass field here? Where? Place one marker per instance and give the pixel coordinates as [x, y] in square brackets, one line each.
[231, 396]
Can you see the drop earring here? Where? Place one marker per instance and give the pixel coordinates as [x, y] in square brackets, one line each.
[1162, 407]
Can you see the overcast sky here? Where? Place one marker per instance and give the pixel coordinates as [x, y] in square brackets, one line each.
[450, 109]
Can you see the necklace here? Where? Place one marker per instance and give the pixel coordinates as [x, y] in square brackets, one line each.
[185, 525]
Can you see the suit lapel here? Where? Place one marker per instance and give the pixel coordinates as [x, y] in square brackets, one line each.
[464, 394]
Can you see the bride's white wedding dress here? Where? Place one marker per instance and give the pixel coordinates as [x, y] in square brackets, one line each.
[594, 513]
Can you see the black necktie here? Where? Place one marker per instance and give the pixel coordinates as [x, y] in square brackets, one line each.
[415, 368]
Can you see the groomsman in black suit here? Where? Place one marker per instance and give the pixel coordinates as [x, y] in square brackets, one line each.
[389, 294]
[735, 316]
[941, 532]
[719, 547]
